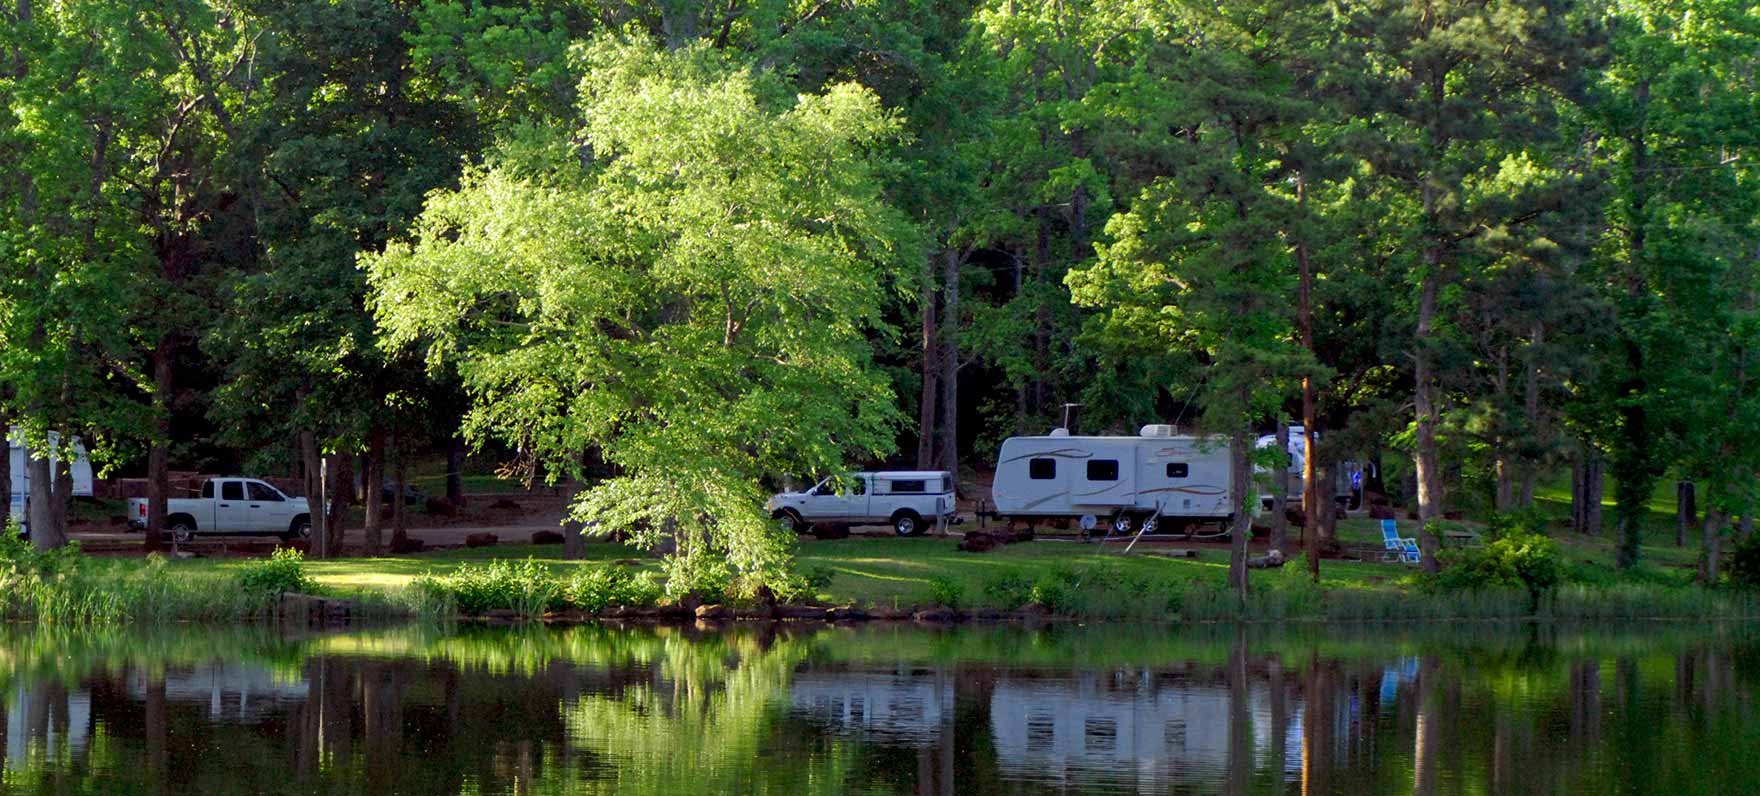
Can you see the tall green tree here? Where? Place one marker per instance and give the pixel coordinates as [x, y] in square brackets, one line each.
[701, 261]
[1454, 112]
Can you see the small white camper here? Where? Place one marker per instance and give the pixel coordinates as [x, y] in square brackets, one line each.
[1156, 477]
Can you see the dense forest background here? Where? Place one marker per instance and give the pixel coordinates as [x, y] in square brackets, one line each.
[681, 249]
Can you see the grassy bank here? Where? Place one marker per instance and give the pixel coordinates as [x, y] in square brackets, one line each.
[883, 575]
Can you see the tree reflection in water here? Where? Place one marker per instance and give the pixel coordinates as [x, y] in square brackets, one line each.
[768, 710]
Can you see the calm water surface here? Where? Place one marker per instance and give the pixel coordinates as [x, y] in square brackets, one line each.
[1658, 709]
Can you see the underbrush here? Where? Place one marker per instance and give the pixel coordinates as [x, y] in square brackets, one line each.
[531, 590]
[65, 587]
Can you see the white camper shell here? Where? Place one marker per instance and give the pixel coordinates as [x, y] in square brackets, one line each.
[1156, 477]
[908, 500]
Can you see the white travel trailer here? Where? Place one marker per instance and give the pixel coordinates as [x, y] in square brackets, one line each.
[1347, 476]
[1156, 477]
[80, 468]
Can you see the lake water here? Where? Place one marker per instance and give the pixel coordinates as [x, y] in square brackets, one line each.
[1509, 709]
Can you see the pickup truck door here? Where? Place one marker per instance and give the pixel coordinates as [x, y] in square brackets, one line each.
[823, 502]
[232, 513]
[269, 508]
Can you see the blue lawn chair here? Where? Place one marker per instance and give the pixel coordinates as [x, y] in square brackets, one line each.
[1396, 548]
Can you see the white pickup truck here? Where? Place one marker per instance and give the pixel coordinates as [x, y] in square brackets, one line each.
[908, 500]
[231, 506]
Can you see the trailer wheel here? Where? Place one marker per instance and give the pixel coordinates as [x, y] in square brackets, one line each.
[1123, 524]
[907, 523]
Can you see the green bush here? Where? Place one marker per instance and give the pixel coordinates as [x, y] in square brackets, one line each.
[595, 590]
[526, 587]
[804, 585]
[707, 577]
[947, 592]
[1518, 560]
[267, 579]
[1009, 590]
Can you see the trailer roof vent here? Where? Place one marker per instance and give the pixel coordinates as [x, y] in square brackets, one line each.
[1157, 430]
[1059, 432]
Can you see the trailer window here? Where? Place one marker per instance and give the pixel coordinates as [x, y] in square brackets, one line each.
[1177, 470]
[232, 490]
[909, 487]
[1041, 469]
[1102, 469]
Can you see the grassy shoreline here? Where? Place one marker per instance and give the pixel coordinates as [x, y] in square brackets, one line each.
[886, 577]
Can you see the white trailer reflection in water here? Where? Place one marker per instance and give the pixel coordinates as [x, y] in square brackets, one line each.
[899, 708]
[1131, 729]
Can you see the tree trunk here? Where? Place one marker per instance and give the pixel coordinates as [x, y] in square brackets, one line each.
[950, 266]
[1685, 512]
[5, 473]
[59, 507]
[1427, 458]
[1504, 469]
[1531, 410]
[1594, 490]
[1280, 490]
[158, 450]
[1326, 501]
[1240, 478]
[314, 464]
[399, 503]
[1745, 527]
[1310, 400]
[573, 546]
[1577, 480]
[455, 473]
[931, 371]
[374, 485]
[341, 495]
[45, 535]
[1712, 533]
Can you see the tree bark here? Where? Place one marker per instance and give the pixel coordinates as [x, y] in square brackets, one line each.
[1685, 512]
[341, 495]
[1711, 534]
[45, 535]
[455, 472]
[1594, 490]
[5, 472]
[159, 450]
[931, 371]
[1326, 502]
[1310, 400]
[374, 485]
[1427, 458]
[399, 503]
[1280, 490]
[1240, 478]
[1531, 410]
[950, 266]
[1577, 480]
[314, 464]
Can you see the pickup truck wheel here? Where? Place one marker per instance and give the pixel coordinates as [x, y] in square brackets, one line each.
[301, 529]
[792, 521]
[182, 530]
[908, 523]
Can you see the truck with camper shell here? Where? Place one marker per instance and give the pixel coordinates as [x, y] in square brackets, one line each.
[1157, 478]
[232, 506]
[908, 500]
